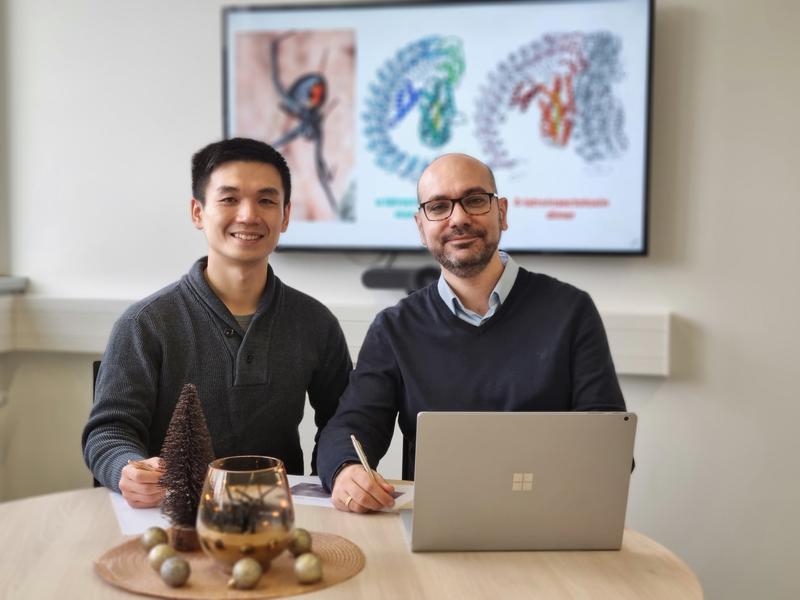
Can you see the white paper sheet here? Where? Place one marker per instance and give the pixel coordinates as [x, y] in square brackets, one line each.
[133, 521]
[308, 490]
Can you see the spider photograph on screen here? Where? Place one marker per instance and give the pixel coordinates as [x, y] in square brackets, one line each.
[296, 91]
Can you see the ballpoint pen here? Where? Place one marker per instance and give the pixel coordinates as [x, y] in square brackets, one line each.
[143, 466]
[362, 457]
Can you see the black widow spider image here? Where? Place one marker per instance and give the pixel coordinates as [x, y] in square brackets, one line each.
[303, 101]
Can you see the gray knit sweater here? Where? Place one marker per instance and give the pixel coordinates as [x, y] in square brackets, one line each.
[252, 384]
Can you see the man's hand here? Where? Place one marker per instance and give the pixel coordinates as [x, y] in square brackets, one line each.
[354, 491]
[140, 487]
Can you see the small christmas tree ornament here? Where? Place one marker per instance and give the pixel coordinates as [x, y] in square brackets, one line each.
[153, 536]
[308, 568]
[300, 542]
[245, 575]
[158, 554]
[175, 571]
[186, 453]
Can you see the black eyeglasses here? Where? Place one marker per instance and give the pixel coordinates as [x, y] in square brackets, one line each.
[476, 203]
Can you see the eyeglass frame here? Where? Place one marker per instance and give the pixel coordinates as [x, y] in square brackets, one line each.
[459, 201]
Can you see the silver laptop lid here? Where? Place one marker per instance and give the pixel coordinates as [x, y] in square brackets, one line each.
[521, 481]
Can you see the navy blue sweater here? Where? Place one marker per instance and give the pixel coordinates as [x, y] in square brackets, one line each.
[545, 349]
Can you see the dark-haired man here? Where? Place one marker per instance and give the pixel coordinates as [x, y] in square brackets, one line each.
[253, 346]
[488, 336]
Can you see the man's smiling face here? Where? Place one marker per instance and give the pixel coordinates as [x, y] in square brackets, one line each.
[463, 244]
[243, 213]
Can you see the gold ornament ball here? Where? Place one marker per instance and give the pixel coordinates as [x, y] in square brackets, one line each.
[158, 554]
[152, 537]
[246, 573]
[308, 568]
[175, 571]
[300, 542]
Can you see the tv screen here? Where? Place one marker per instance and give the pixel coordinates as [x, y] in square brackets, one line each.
[553, 96]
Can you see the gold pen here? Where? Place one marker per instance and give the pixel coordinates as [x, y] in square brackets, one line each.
[143, 466]
[362, 457]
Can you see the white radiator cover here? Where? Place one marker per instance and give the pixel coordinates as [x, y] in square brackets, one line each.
[639, 341]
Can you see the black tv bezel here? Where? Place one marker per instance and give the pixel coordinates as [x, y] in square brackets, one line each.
[645, 250]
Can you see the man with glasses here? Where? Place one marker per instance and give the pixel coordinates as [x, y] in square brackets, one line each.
[488, 336]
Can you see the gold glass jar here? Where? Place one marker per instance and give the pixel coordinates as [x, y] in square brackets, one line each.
[245, 510]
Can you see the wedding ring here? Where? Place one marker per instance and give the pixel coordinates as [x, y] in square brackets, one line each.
[348, 501]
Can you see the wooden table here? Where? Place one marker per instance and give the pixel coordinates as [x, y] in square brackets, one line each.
[48, 544]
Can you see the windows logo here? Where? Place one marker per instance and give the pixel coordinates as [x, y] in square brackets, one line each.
[522, 482]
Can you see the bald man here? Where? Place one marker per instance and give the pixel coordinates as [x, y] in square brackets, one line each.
[488, 336]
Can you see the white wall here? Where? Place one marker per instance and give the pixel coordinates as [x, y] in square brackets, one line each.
[4, 192]
[107, 100]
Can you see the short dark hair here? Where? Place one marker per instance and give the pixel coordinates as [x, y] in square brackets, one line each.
[236, 149]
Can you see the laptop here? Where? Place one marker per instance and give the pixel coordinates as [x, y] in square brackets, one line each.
[520, 481]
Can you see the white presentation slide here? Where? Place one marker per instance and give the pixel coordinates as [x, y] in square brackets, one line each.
[553, 96]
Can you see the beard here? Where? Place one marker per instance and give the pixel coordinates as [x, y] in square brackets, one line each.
[465, 265]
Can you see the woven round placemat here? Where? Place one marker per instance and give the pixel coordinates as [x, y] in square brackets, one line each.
[125, 566]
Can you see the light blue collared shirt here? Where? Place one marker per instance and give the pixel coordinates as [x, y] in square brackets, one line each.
[496, 298]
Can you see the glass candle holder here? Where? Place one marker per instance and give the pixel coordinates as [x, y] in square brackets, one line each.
[245, 510]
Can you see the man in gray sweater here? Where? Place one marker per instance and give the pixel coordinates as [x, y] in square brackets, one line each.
[253, 346]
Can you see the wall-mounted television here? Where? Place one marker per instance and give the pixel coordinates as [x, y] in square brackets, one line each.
[553, 95]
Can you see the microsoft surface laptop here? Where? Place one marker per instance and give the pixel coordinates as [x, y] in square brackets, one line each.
[521, 481]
